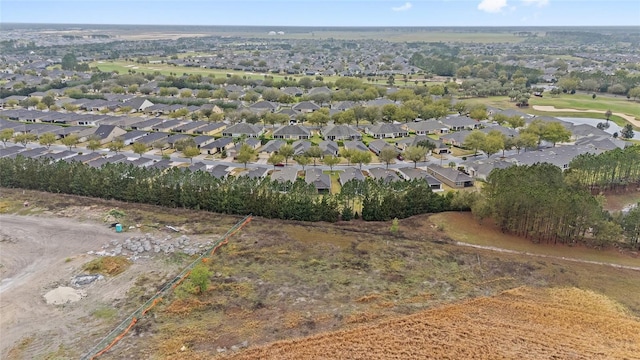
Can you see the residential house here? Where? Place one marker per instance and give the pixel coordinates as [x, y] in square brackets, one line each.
[320, 180]
[218, 146]
[137, 104]
[480, 169]
[451, 177]
[440, 147]
[292, 132]
[142, 162]
[305, 107]
[210, 129]
[288, 174]
[161, 165]
[85, 158]
[270, 148]
[386, 131]
[243, 129]
[167, 126]
[63, 155]
[458, 123]
[340, 132]
[118, 158]
[104, 133]
[264, 106]
[427, 127]
[456, 138]
[11, 150]
[350, 173]
[410, 173]
[174, 139]
[355, 145]
[203, 140]
[256, 173]
[300, 147]
[219, 171]
[376, 146]
[329, 148]
[146, 125]
[385, 175]
[132, 136]
[190, 127]
[151, 138]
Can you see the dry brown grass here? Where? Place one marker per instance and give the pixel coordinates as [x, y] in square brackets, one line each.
[108, 265]
[522, 323]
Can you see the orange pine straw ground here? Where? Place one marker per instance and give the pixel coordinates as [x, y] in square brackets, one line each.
[522, 323]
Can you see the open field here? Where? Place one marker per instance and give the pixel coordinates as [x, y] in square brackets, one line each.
[522, 323]
[274, 281]
[576, 101]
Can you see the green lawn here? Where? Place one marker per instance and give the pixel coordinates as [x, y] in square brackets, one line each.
[567, 101]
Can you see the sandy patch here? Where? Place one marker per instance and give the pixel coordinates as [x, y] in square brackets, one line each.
[629, 118]
[63, 295]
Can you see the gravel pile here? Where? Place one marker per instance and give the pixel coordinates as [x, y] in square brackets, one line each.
[149, 244]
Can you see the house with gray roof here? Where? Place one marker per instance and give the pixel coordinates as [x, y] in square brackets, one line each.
[264, 106]
[292, 132]
[137, 104]
[243, 129]
[426, 127]
[161, 165]
[603, 142]
[340, 132]
[287, 174]
[508, 132]
[301, 146]
[146, 125]
[329, 147]
[386, 131]
[480, 169]
[455, 138]
[410, 173]
[118, 158]
[376, 146]
[256, 173]
[458, 123]
[188, 128]
[142, 162]
[385, 175]
[104, 133]
[350, 173]
[305, 107]
[218, 146]
[451, 177]
[320, 180]
[355, 145]
[440, 147]
[31, 153]
[270, 148]
[150, 138]
[210, 129]
[559, 156]
[167, 126]
[11, 150]
[85, 158]
[132, 136]
[202, 140]
[63, 155]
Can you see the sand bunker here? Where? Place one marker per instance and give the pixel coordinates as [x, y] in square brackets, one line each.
[63, 295]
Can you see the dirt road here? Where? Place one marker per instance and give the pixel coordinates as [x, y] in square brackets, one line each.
[37, 254]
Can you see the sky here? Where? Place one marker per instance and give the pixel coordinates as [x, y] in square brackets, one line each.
[326, 13]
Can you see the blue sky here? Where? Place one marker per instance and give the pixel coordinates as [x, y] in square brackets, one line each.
[327, 12]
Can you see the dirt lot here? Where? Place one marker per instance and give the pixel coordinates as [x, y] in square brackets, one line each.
[37, 255]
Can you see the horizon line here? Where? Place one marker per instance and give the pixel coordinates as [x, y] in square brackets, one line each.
[331, 26]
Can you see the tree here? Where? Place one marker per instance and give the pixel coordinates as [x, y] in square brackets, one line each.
[388, 155]
[479, 113]
[319, 117]
[493, 143]
[302, 160]
[245, 154]
[94, 143]
[331, 161]
[347, 154]
[607, 115]
[287, 152]
[24, 138]
[554, 132]
[515, 121]
[48, 100]
[184, 143]
[361, 157]
[475, 140]
[415, 154]
[627, 132]
[160, 145]
[525, 140]
[315, 153]
[275, 159]
[116, 145]
[139, 148]
[71, 141]
[6, 135]
[190, 151]
[200, 277]
[47, 139]
[69, 62]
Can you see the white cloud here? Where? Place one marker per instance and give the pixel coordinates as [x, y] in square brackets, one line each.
[492, 6]
[404, 7]
[538, 3]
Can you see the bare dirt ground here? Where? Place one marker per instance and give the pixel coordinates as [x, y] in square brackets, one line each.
[37, 255]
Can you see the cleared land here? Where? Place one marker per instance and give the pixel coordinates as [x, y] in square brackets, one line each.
[517, 324]
[275, 280]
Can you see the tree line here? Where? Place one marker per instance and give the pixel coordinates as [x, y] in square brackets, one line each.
[611, 170]
[241, 195]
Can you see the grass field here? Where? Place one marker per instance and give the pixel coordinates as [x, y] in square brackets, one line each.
[564, 101]
[461, 226]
